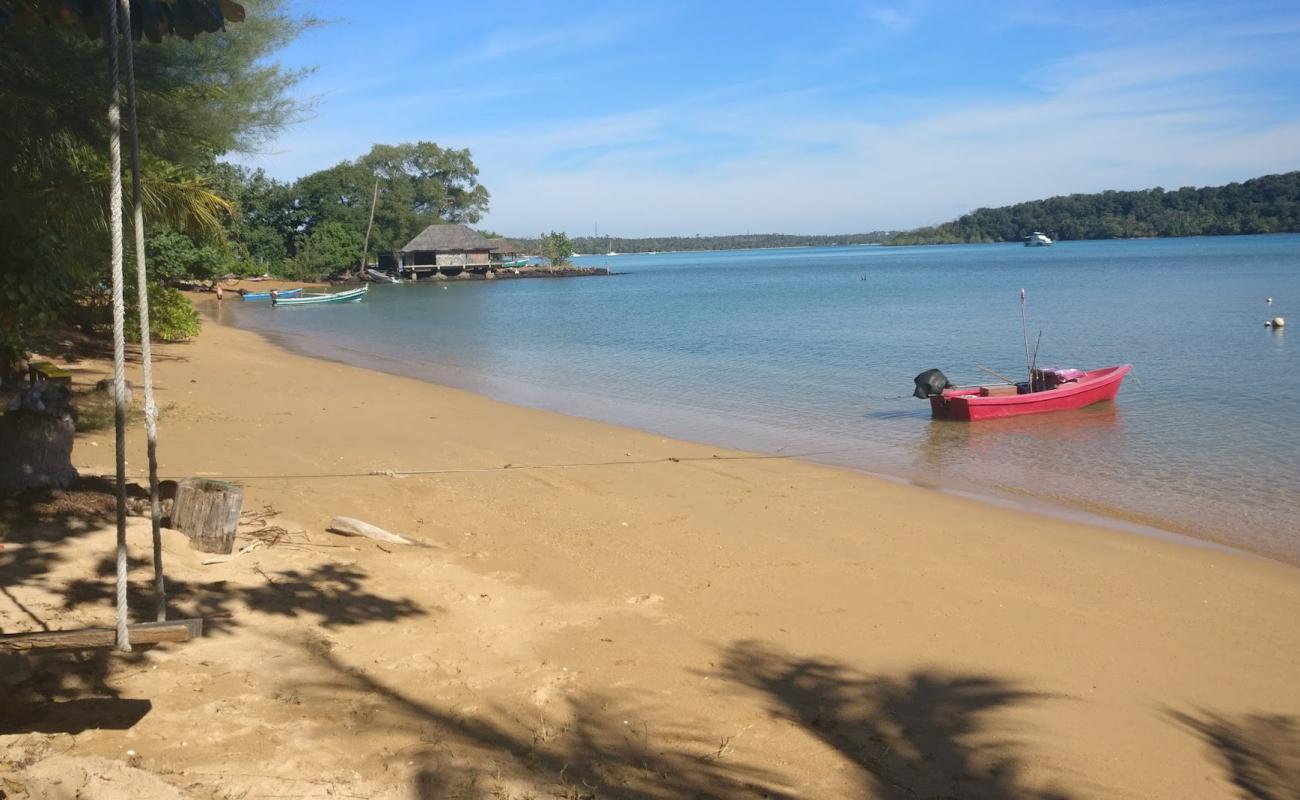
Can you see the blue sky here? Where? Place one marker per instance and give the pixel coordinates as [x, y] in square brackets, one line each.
[823, 116]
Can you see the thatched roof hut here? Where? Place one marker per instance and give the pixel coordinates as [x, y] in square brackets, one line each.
[505, 248]
[448, 238]
[448, 246]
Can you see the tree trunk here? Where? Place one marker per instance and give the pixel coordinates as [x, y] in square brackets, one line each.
[208, 512]
[37, 448]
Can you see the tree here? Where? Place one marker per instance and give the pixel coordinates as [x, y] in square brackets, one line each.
[329, 247]
[202, 98]
[557, 248]
[419, 184]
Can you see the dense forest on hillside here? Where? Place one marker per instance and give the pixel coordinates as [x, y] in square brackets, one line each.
[1269, 204]
[664, 244]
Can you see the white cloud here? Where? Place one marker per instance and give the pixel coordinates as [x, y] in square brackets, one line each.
[754, 156]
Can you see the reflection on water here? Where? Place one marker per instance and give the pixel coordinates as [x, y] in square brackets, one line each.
[1040, 441]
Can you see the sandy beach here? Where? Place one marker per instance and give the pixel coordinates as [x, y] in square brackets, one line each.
[605, 613]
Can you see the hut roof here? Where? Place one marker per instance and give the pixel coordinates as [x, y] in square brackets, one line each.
[448, 237]
[504, 246]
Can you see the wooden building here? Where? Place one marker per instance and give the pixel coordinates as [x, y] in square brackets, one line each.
[506, 253]
[446, 249]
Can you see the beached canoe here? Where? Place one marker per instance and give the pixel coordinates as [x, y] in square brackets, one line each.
[319, 299]
[267, 295]
[1063, 390]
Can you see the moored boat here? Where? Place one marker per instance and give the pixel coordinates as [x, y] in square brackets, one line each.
[322, 298]
[1053, 390]
[381, 277]
[1038, 239]
[282, 293]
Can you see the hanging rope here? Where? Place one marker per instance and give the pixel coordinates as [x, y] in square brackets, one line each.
[142, 293]
[119, 316]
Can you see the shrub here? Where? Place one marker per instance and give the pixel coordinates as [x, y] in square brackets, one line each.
[172, 317]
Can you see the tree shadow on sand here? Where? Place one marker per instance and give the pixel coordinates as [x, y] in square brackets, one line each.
[591, 750]
[72, 691]
[334, 595]
[926, 733]
[1260, 753]
[34, 523]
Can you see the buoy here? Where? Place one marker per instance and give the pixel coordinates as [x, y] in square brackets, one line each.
[1278, 322]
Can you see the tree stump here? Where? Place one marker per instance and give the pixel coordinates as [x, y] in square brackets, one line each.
[207, 511]
[36, 451]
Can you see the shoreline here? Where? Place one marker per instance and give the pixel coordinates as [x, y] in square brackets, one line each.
[1064, 509]
[645, 616]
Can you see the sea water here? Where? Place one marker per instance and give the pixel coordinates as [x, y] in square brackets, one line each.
[810, 352]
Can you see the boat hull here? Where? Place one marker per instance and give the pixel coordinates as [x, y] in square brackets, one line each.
[1096, 386]
[349, 296]
[267, 295]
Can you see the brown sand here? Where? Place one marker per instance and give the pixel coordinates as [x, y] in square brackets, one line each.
[615, 614]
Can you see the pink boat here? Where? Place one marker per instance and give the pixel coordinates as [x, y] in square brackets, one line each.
[1063, 390]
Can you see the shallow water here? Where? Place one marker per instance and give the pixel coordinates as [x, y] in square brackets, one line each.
[812, 351]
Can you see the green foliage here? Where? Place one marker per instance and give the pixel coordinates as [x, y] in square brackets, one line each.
[172, 317]
[331, 246]
[174, 256]
[198, 99]
[556, 247]
[1269, 204]
[418, 184]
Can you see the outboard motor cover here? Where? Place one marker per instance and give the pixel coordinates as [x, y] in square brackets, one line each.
[930, 383]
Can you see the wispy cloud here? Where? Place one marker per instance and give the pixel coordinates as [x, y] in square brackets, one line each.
[836, 130]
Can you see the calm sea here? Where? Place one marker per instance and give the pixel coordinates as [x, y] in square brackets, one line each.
[811, 352]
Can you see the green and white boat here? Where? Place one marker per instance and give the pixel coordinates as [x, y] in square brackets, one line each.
[319, 298]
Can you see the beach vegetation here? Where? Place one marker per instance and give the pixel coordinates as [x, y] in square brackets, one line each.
[277, 225]
[329, 246]
[557, 248]
[199, 99]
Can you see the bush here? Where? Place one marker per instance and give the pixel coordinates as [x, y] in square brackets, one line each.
[172, 317]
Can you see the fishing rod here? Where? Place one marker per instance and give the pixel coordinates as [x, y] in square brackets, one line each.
[1033, 365]
[1024, 328]
[996, 374]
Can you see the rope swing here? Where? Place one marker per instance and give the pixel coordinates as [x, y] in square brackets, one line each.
[146, 348]
[119, 314]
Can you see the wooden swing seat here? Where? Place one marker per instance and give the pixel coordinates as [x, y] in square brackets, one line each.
[181, 630]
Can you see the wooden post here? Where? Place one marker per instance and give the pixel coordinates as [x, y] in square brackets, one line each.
[208, 512]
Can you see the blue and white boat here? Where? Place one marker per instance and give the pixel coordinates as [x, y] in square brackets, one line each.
[319, 299]
[282, 293]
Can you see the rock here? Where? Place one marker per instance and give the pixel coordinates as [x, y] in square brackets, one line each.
[38, 450]
[106, 385]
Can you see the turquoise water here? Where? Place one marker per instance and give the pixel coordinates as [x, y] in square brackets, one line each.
[811, 352]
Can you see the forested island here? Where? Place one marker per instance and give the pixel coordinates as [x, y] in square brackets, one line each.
[747, 241]
[1269, 204]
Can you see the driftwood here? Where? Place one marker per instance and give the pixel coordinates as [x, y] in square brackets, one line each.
[355, 527]
[207, 511]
